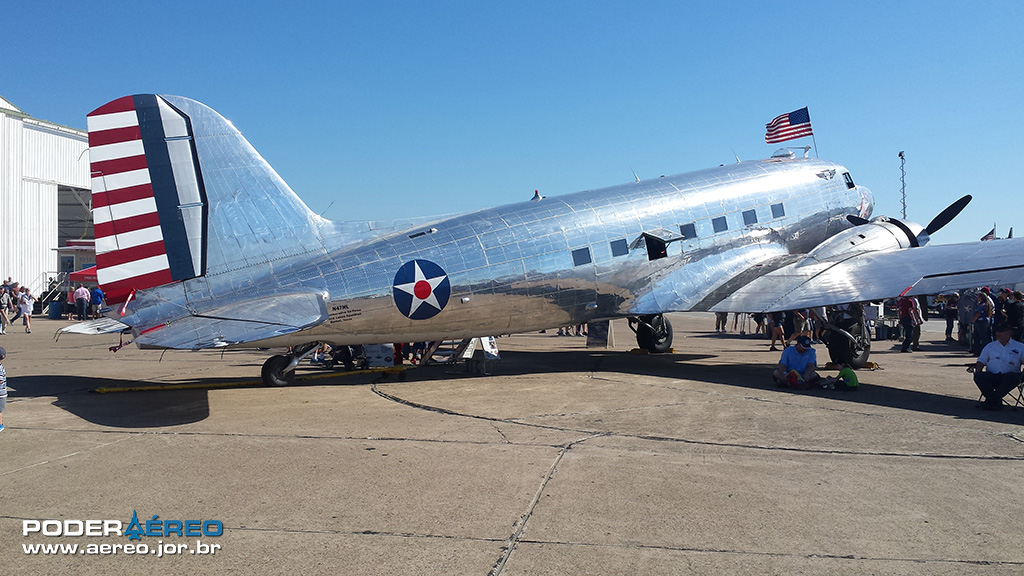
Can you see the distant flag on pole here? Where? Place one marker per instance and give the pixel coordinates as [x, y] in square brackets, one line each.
[990, 236]
[796, 124]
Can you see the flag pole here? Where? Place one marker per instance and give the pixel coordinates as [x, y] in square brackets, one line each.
[815, 141]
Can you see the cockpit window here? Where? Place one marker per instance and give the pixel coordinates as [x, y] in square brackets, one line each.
[849, 179]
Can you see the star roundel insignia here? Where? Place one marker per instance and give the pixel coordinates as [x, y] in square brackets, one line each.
[421, 289]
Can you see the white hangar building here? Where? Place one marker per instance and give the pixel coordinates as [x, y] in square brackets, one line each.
[45, 195]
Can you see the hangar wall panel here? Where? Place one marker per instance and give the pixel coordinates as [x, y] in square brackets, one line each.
[10, 188]
[56, 157]
[35, 158]
[34, 236]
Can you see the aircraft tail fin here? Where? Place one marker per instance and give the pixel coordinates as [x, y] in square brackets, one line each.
[167, 172]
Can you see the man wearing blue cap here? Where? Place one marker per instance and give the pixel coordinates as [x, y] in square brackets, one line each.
[798, 366]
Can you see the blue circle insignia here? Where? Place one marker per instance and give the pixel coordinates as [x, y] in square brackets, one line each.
[421, 289]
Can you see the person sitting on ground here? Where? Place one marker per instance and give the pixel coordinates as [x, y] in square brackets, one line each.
[798, 366]
[847, 379]
[1001, 361]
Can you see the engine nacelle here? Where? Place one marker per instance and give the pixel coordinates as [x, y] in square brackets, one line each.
[879, 235]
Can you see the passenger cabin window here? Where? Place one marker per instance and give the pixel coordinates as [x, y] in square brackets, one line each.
[620, 248]
[688, 230]
[778, 211]
[749, 217]
[849, 179]
[719, 224]
[581, 256]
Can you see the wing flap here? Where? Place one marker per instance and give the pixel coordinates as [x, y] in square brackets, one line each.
[239, 323]
[880, 275]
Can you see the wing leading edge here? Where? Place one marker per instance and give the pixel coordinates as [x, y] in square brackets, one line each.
[876, 276]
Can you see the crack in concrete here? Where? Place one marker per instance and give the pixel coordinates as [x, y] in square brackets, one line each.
[363, 533]
[71, 455]
[520, 525]
[656, 438]
[778, 554]
[504, 440]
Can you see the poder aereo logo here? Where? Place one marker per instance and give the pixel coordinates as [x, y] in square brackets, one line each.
[154, 527]
[71, 527]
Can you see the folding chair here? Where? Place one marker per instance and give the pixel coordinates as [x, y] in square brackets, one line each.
[1013, 398]
[1015, 394]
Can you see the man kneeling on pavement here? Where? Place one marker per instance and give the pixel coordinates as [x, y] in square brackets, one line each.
[1001, 361]
[798, 369]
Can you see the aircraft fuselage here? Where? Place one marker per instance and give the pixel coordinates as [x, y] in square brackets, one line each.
[580, 257]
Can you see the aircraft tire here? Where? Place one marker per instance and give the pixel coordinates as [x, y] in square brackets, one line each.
[273, 371]
[654, 334]
[842, 351]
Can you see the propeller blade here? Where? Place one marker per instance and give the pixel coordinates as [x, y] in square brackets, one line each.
[856, 220]
[946, 215]
[914, 242]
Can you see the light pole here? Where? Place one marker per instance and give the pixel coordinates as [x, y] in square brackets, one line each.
[903, 183]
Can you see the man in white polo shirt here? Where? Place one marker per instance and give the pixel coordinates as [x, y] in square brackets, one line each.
[1001, 361]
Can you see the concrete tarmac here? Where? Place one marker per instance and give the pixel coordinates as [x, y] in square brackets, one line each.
[564, 461]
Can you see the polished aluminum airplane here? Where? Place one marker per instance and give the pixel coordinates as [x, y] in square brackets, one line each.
[200, 244]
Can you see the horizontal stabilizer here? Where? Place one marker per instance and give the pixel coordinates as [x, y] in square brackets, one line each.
[239, 323]
[874, 276]
[93, 327]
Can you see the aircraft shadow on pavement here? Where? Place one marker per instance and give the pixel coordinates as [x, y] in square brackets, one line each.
[141, 409]
[755, 376]
[168, 407]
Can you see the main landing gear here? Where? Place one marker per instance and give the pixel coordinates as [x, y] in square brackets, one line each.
[653, 333]
[848, 337]
[279, 370]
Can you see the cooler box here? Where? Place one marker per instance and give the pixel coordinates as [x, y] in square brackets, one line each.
[380, 355]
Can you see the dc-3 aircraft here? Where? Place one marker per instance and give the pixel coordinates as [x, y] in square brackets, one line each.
[200, 244]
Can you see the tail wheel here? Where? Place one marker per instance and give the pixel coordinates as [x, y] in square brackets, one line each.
[273, 372]
[654, 333]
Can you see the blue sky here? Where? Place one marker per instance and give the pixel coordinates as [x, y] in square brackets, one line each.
[419, 108]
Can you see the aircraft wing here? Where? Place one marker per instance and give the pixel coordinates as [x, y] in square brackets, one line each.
[239, 322]
[871, 276]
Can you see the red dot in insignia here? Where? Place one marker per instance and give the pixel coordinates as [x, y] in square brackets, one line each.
[421, 289]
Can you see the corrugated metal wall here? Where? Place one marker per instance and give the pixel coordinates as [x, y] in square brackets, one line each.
[55, 156]
[35, 157]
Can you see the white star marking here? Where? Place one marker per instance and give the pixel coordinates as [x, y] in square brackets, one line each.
[410, 288]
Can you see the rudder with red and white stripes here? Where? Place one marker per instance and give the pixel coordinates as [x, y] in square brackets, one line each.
[149, 206]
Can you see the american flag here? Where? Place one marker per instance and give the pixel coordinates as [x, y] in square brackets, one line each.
[990, 236]
[796, 124]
